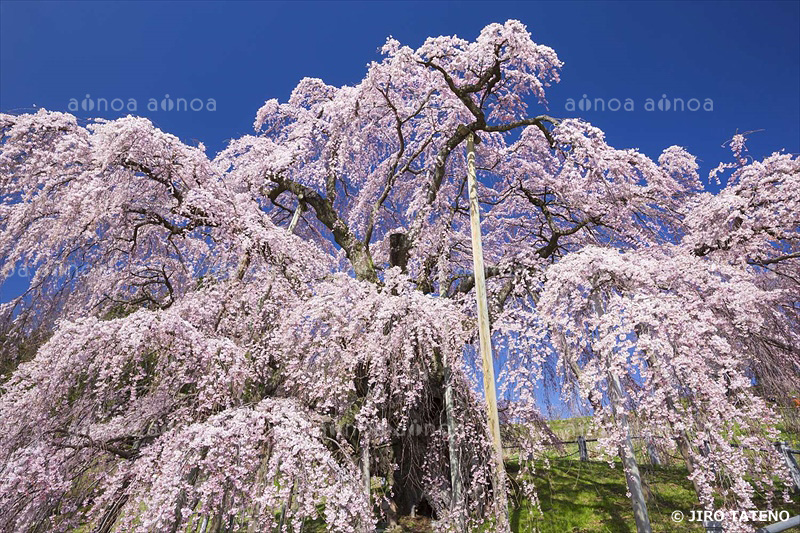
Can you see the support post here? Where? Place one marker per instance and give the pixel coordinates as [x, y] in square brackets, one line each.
[632, 475]
[501, 501]
[455, 458]
[295, 216]
[364, 441]
[457, 489]
[791, 463]
[285, 506]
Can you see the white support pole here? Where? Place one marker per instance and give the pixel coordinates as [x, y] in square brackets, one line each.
[655, 458]
[633, 477]
[486, 340]
[455, 456]
[295, 216]
[244, 263]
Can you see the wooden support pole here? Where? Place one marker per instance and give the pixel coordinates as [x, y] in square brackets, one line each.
[244, 263]
[682, 440]
[285, 506]
[501, 500]
[655, 458]
[632, 475]
[456, 485]
[454, 452]
[364, 442]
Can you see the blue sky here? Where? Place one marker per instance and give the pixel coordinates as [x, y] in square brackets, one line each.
[744, 56]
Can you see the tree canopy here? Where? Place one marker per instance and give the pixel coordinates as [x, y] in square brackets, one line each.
[198, 364]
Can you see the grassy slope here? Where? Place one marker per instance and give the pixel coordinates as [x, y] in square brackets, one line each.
[578, 497]
[591, 497]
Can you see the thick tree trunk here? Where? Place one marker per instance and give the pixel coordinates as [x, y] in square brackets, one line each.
[406, 488]
[362, 263]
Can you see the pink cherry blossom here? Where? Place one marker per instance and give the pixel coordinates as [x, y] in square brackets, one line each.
[180, 359]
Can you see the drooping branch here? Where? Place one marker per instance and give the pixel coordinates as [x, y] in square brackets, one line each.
[356, 250]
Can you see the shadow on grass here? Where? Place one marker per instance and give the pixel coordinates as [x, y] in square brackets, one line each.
[583, 497]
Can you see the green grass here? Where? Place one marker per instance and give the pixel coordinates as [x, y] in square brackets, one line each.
[587, 497]
[591, 497]
[579, 497]
[570, 428]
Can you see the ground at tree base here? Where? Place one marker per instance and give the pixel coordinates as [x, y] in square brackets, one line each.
[590, 497]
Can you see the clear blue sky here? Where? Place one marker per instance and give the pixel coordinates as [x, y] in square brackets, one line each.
[745, 56]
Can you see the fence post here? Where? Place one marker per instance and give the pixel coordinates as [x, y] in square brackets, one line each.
[582, 448]
[653, 453]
